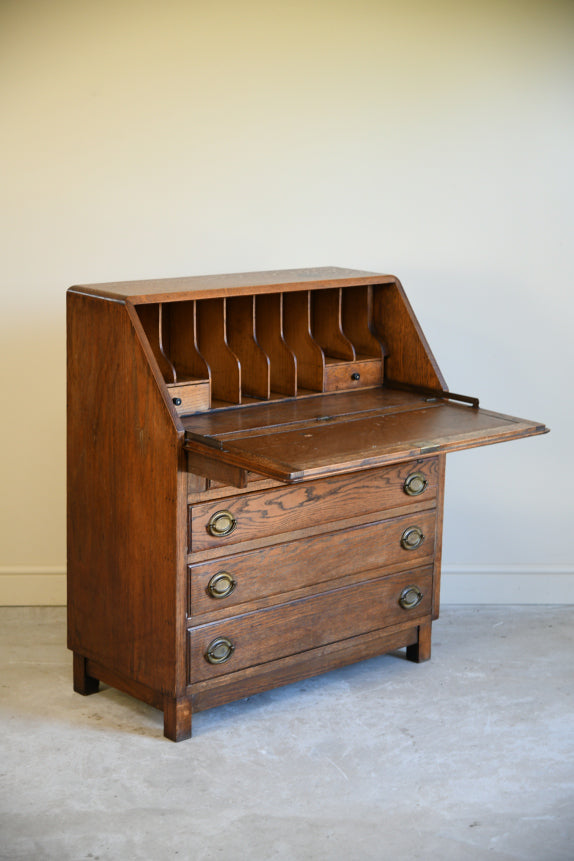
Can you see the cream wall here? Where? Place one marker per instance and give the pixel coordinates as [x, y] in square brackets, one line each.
[428, 139]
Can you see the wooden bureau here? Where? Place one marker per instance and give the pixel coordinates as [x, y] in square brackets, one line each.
[255, 481]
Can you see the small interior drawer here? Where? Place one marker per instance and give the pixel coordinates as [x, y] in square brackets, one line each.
[266, 635]
[230, 581]
[190, 397]
[360, 374]
[287, 509]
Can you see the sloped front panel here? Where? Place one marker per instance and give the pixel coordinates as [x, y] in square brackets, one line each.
[334, 444]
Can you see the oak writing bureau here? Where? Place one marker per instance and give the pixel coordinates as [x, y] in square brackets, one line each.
[255, 481]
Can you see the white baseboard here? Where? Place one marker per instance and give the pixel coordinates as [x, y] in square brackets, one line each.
[24, 585]
[507, 584]
[32, 585]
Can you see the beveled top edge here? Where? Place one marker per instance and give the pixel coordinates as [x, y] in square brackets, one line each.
[232, 284]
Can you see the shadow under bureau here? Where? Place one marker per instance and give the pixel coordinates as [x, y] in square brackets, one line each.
[255, 481]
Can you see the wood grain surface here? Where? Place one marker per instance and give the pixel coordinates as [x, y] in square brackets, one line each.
[359, 374]
[241, 336]
[233, 284]
[327, 325]
[313, 478]
[312, 503]
[308, 623]
[297, 330]
[296, 412]
[359, 323]
[326, 448]
[316, 560]
[124, 477]
[303, 665]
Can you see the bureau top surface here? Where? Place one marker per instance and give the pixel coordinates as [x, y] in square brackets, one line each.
[237, 284]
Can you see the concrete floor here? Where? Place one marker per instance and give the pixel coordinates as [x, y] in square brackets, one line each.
[467, 757]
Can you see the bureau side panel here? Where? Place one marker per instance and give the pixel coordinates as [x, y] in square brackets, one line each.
[409, 357]
[123, 545]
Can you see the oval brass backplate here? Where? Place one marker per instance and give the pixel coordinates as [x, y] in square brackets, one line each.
[221, 585]
[410, 597]
[412, 538]
[415, 484]
[219, 650]
[221, 523]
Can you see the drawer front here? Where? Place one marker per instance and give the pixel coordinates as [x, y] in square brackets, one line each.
[313, 503]
[353, 375]
[308, 623]
[232, 580]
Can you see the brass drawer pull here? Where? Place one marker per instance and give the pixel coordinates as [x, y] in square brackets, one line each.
[219, 650]
[410, 597]
[221, 523]
[415, 484]
[412, 538]
[221, 585]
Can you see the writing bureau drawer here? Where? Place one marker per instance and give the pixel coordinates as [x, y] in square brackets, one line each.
[271, 512]
[230, 581]
[308, 623]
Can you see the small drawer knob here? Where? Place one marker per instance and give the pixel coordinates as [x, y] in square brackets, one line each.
[412, 538]
[219, 650]
[221, 585]
[222, 523]
[410, 597]
[415, 483]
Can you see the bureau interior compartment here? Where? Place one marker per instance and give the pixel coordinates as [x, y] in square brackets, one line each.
[226, 351]
[321, 369]
[343, 326]
[173, 335]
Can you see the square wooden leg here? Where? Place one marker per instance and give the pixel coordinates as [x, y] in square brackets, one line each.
[421, 650]
[83, 683]
[177, 718]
